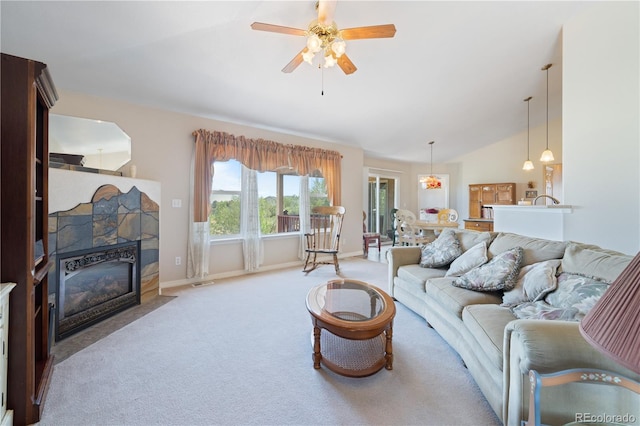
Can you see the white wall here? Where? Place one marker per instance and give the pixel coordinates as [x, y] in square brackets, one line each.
[502, 162]
[162, 144]
[601, 133]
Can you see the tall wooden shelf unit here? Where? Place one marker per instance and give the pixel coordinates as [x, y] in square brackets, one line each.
[483, 194]
[27, 95]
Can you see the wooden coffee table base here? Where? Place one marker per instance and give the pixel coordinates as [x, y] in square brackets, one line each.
[352, 357]
[352, 327]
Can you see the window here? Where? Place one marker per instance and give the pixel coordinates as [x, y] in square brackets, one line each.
[224, 219]
[279, 200]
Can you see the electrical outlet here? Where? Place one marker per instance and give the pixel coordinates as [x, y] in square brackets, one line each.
[176, 203]
[178, 261]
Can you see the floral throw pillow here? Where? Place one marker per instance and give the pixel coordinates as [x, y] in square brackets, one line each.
[534, 283]
[571, 301]
[442, 251]
[500, 273]
[472, 258]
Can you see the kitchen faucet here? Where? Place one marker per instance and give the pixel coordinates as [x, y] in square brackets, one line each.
[555, 200]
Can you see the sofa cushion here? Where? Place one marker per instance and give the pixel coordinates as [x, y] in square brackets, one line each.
[454, 299]
[535, 249]
[469, 238]
[487, 323]
[472, 258]
[534, 283]
[500, 273]
[571, 301]
[416, 274]
[592, 261]
[441, 252]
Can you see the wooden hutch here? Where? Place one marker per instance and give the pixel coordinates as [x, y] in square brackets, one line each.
[482, 195]
[27, 95]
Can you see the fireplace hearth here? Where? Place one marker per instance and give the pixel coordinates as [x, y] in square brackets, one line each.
[94, 285]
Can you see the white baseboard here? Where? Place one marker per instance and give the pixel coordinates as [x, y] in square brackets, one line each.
[229, 274]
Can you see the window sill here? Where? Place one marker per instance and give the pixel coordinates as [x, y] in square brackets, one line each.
[234, 239]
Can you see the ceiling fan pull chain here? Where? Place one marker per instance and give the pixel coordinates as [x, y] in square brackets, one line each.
[322, 78]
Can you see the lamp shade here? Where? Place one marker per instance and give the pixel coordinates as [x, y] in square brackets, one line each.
[528, 165]
[613, 324]
[546, 156]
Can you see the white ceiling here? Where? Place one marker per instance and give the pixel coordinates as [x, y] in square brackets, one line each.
[455, 72]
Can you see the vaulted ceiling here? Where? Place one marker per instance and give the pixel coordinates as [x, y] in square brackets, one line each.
[456, 72]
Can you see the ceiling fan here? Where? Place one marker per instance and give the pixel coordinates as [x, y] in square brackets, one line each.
[324, 36]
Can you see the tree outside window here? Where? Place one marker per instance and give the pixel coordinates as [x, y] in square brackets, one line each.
[279, 196]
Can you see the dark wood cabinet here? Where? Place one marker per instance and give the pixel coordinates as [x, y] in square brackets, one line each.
[27, 95]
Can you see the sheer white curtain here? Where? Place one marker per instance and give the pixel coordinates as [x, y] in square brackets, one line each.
[198, 239]
[250, 220]
[304, 214]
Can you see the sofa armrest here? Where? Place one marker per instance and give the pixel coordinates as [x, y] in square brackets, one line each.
[399, 256]
[545, 346]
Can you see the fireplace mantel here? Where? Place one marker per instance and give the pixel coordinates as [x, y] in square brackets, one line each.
[69, 188]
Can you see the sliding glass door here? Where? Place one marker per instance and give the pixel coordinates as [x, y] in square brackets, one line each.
[381, 201]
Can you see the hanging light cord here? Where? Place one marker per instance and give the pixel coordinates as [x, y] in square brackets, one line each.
[431, 143]
[546, 67]
[528, 122]
[548, 106]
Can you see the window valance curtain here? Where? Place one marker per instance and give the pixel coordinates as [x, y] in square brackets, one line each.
[261, 155]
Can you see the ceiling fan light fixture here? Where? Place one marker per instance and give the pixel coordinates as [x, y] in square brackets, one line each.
[338, 46]
[329, 60]
[314, 44]
[308, 57]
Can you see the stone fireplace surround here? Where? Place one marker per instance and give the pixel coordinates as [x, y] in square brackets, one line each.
[108, 217]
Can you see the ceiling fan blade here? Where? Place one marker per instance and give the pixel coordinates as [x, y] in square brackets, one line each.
[326, 9]
[375, 31]
[277, 29]
[347, 66]
[297, 60]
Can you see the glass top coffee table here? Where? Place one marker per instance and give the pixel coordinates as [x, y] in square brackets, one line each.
[358, 320]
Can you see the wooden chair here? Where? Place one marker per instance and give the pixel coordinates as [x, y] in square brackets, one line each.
[368, 237]
[447, 216]
[596, 377]
[324, 238]
[408, 233]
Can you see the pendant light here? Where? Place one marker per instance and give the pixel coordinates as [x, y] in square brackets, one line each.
[431, 182]
[528, 165]
[547, 155]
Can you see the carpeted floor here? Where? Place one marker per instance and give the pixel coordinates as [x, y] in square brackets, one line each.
[238, 352]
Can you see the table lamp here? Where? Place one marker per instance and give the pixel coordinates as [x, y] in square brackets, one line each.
[613, 324]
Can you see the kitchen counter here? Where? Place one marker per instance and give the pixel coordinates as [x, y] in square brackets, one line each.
[541, 221]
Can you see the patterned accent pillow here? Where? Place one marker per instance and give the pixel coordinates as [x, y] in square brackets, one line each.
[442, 251]
[534, 283]
[571, 301]
[500, 273]
[472, 258]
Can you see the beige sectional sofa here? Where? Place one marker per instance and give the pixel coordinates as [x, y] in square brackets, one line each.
[497, 347]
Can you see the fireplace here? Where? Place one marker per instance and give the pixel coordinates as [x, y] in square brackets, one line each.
[104, 251]
[95, 284]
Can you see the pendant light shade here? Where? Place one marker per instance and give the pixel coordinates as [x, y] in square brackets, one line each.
[528, 165]
[547, 155]
[431, 182]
